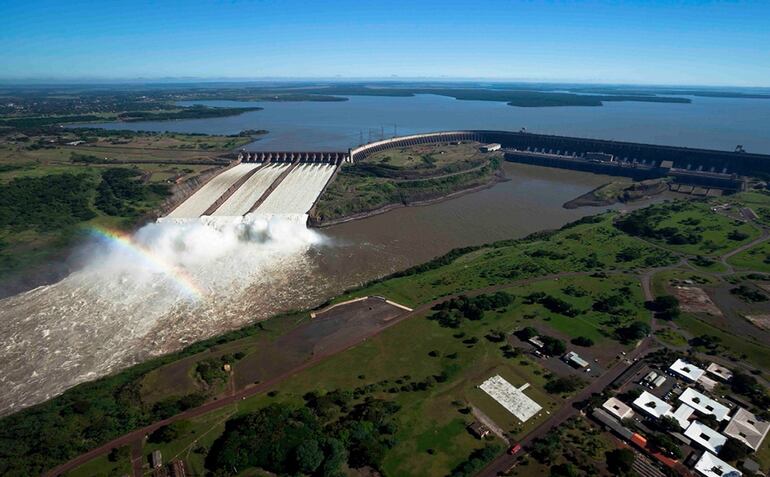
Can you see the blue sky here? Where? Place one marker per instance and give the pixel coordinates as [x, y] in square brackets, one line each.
[659, 42]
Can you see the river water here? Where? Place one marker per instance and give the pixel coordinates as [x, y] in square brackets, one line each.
[119, 310]
[712, 123]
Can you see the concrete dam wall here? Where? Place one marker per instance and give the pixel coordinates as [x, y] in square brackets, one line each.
[275, 183]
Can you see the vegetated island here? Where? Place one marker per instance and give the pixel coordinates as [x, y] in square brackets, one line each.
[527, 98]
[618, 191]
[192, 112]
[407, 176]
[400, 401]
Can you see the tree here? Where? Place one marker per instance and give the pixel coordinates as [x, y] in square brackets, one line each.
[582, 341]
[664, 443]
[565, 384]
[635, 331]
[553, 346]
[733, 450]
[620, 461]
[309, 456]
[564, 470]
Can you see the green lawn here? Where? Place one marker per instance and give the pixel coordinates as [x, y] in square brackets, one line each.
[740, 348]
[756, 258]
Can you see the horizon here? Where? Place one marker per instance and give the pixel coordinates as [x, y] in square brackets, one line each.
[702, 44]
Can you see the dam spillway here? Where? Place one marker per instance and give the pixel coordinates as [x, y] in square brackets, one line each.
[297, 193]
[198, 203]
[244, 199]
[276, 184]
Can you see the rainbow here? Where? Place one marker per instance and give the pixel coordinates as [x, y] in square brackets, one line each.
[180, 276]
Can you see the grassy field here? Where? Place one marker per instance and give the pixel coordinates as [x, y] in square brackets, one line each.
[690, 227]
[404, 176]
[756, 258]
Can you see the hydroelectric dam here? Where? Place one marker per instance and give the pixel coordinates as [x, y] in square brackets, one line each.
[289, 183]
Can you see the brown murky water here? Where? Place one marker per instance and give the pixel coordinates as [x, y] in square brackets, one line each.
[115, 313]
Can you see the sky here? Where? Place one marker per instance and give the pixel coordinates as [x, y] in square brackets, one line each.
[639, 42]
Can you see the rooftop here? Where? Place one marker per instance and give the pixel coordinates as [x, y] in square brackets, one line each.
[618, 408]
[705, 436]
[511, 398]
[704, 404]
[686, 370]
[710, 465]
[719, 371]
[747, 428]
[682, 415]
[575, 359]
[652, 405]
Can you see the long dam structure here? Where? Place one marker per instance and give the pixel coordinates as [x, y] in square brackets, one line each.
[290, 182]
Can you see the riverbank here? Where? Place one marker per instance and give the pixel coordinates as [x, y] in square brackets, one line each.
[315, 222]
[618, 191]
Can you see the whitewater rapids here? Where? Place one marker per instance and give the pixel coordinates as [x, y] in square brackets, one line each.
[170, 284]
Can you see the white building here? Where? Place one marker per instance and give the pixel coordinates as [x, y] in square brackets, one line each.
[511, 398]
[686, 370]
[710, 465]
[652, 405]
[491, 147]
[682, 415]
[747, 428]
[719, 371]
[618, 408]
[704, 404]
[705, 436]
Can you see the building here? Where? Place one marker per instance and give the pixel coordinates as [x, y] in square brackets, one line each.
[491, 147]
[682, 415]
[575, 360]
[177, 468]
[707, 383]
[652, 405]
[686, 370]
[719, 371]
[156, 459]
[710, 465]
[706, 437]
[479, 430]
[704, 404]
[511, 398]
[658, 382]
[599, 157]
[535, 340]
[747, 428]
[612, 424]
[618, 408]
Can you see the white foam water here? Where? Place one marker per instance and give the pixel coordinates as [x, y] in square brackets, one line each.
[171, 283]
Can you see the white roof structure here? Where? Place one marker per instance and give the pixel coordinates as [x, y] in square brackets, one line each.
[686, 370]
[652, 405]
[682, 415]
[747, 428]
[704, 404]
[707, 383]
[511, 398]
[710, 465]
[719, 371]
[618, 408]
[705, 436]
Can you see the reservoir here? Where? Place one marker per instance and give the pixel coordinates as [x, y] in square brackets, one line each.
[710, 123]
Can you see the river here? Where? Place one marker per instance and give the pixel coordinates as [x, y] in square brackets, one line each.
[712, 123]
